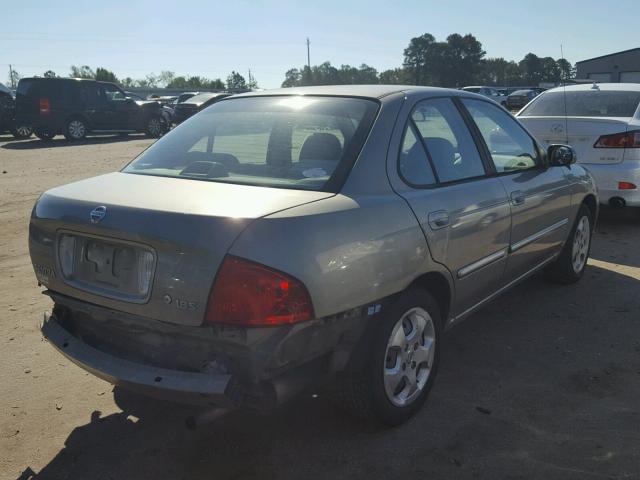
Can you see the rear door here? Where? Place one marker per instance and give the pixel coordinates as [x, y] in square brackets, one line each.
[540, 196]
[463, 212]
[122, 113]
[94, 105]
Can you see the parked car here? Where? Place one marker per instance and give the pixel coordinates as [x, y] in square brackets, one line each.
[196, 103]
[602, 123]
[75, 107]
[7, 116]
[282, 237]
[488, 92]
[520, 98]
[183, 97]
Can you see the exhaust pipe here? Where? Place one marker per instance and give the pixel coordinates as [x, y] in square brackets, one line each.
[617, 202]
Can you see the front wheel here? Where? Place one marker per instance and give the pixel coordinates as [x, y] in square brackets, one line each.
[401, 364]
[572, 262]
[155, 127]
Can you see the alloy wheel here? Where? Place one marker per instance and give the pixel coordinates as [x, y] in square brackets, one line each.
[76, 129]
[154, 127]
[409, 357]
[581, 240]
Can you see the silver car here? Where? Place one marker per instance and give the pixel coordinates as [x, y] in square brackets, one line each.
[279, 239]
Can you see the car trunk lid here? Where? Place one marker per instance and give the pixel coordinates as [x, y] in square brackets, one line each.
[169, 233]
[581, 133]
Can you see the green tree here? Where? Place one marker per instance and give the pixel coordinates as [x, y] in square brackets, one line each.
[104, 75]
[82, 72]
[235, 81]
[532, 69]
[416, 57]
[128, 82]
[216, 83]
[292, 78]
[49, 74]
[394, 76]
[462, 63]
[165, 78]
[567, 71]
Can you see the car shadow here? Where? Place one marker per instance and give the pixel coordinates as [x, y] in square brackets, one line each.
[60, 141]
[541, 383]
[618, 232]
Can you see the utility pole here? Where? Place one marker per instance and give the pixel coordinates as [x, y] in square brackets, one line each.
[308, 54]
[11, 77]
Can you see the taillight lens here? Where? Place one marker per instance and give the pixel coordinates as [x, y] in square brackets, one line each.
[45, 107]
[619, 140]
[249, 294]
[626, 186]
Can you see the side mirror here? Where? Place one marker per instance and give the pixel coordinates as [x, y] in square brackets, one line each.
[561, 155]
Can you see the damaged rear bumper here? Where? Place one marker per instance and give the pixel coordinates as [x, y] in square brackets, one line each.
[189, 387]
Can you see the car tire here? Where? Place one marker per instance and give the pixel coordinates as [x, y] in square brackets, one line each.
[44, 134]
[21, 132]
[572, 262]
[380, 390]
[76, 129]
[155, 127]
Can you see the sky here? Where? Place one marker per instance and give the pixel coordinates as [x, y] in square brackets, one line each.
[211, 39]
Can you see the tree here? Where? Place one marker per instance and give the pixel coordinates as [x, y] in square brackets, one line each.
[394, 76]
[567, 71]
[14, 77]
[165, 78]
[82, 72]
[416, 56]
[49, 74]
[292, 78]
[216, 83]
[235, 81]
[463, 57]
[531, 68]
[128, 82]
[104, 75]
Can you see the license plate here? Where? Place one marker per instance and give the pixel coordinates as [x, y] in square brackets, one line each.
[109, 268]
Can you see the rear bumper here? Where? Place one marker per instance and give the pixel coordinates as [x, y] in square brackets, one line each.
[257, 368]
[607, 178]
[188, 387]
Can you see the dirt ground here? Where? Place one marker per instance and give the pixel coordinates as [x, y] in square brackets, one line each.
[542, 383]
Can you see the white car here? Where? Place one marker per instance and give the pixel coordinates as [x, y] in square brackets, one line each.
[602, 123]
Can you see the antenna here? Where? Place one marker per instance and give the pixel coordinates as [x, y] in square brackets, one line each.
[564, 97]
[308, 54]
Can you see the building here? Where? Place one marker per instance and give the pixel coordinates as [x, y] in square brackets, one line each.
[621, 67]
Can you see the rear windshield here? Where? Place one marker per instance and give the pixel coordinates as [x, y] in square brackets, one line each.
[586, 103]
[301, 142]
[522, 92]
[202, 97]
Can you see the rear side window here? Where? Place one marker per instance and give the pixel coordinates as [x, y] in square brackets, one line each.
[510, 146]
[585, 103]
[91, 94]
[448, 142]
[301, 142]
[413, 163]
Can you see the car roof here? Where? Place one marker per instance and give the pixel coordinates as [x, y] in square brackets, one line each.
[4, 89]
[606, 87]
[365, 91]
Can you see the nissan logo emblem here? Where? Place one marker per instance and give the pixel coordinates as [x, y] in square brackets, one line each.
[97, 214]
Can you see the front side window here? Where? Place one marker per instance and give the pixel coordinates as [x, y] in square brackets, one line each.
[584, 103]
[510, 146]
[450, 146]
[276, 141]
[113, 93]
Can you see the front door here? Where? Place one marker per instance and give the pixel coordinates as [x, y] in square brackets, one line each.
[540, 196]
[463, 212]
[122, 112]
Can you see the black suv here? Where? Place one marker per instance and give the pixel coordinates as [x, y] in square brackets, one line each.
[193, 105]
[75, 107]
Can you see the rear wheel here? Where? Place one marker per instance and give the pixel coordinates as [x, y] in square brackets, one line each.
[572, 262]
[155, 127]
[20, 132]
[76, 129]
[401, 363]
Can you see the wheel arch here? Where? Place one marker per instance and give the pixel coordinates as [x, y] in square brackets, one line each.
[78, 116]
[438, 285]
[591, 203]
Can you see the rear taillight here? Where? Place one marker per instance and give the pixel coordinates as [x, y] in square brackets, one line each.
[249, 294]
[626, 186]
[45, 107]
[619, 140]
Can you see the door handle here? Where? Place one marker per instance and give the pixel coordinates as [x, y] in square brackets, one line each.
[439, 219]
[517, 197]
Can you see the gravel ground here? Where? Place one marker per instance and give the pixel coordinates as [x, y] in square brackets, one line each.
[542, 383]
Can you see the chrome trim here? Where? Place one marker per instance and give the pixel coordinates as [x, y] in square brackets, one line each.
[483, 262]
[525, 275]
[536, 236]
